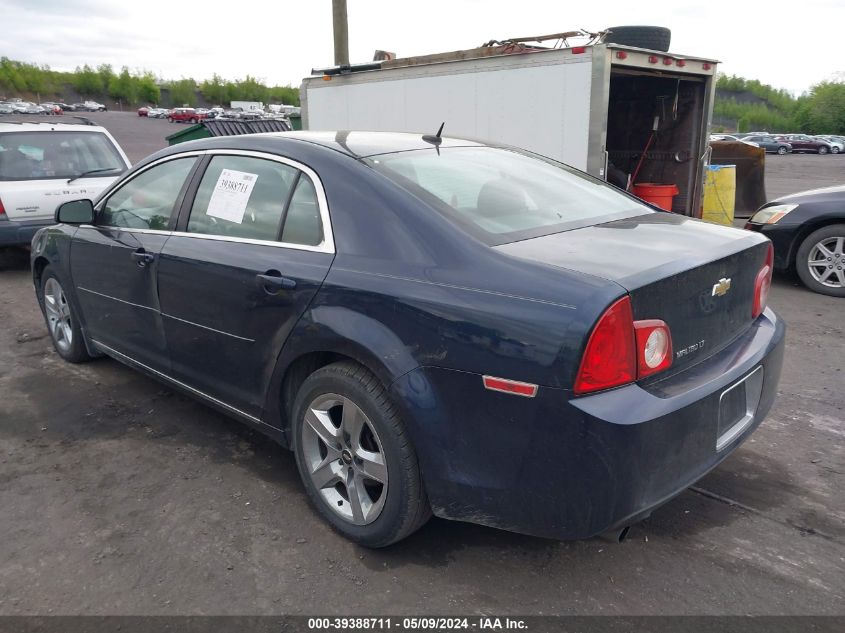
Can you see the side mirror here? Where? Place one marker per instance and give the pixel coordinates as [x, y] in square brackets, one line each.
[75, 212]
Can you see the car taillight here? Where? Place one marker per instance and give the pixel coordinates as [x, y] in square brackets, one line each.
[621, 350]
[763, 283]
[609, 359]
[2, 209]
[654, 347]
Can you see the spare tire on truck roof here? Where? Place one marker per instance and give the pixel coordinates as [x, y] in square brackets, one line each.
[656, 38]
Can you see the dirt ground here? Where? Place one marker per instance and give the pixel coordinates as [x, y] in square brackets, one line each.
[119, 496]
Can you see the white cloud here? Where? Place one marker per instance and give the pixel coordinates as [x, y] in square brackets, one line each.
[281, 41]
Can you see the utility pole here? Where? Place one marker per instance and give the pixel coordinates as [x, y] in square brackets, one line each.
[341, 33]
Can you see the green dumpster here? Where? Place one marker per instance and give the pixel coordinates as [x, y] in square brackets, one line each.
[227, 127]
[191, 133]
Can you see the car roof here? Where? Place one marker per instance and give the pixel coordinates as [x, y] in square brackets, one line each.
[363, 144]
[329, 145]
[33, 126]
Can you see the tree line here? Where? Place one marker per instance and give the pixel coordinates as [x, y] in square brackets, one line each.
[133, 87]
[819, 111]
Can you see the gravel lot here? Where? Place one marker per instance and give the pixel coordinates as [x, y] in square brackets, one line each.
[120, 496]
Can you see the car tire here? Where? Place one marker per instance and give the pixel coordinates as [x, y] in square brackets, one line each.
[834, 150]
[781, 150]
[812, 249]
[822, 150]
[656, 38]
[62, 323]
[345, 430]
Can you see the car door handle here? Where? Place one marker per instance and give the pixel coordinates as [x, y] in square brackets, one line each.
[272, 281]
[142, 257]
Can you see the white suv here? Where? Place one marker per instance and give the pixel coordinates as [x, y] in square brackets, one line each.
[45, 164]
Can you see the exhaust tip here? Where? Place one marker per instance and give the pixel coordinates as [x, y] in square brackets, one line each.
[615, 536]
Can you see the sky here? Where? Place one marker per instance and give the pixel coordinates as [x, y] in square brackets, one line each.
[280, 42]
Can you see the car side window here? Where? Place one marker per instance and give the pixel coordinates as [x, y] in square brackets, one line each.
[242, 196]
[147, 201]
[302, 222]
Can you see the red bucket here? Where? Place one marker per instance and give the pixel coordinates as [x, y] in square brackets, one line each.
[658, 195]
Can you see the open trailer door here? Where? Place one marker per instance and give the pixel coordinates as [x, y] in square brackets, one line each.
[657, 121]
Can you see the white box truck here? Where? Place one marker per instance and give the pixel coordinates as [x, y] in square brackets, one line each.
[616, 112]
[247, 106]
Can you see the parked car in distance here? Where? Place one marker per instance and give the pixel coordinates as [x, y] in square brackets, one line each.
[804, 143]
[45, 164]
[807, 230]
[157, 113]
[93, 106]
[730, 137]
[34, 108]
[837, 146]
[6, 108]
[770, 144]
[66, 107]
[52, 108]
[250, 115]
[185, 115]
[143, 111]
[432, 325]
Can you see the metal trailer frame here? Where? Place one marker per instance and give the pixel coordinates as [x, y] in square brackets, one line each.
[604, 59]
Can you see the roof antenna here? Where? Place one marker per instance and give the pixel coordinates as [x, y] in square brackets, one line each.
[434, 140]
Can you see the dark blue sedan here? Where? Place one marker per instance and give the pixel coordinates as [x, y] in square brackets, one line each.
[431, 325]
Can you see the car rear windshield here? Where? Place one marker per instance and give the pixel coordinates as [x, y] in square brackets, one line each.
[503, 195]
[55, 154]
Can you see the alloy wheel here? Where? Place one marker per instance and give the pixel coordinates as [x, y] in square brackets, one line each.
[58, 314]
[344, 458]
[826, 262]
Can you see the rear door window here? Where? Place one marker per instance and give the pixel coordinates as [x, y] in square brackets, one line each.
[57, 154]
[242, 197]
[259, 199]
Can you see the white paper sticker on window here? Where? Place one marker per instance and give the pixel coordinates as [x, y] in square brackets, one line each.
[231, 195]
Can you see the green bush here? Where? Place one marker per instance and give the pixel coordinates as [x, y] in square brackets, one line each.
[821, 111]
[133, 87]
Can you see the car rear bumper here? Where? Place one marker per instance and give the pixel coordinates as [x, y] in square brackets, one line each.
[20, 233]
[570, 468]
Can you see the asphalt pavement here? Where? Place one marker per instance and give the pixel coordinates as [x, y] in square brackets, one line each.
[120, 496]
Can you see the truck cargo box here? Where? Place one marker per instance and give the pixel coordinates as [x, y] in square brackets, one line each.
[614, 111]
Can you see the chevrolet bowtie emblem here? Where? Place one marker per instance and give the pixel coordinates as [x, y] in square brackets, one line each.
[721, 289]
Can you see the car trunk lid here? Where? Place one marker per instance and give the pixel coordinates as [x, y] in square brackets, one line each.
[697, 277]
